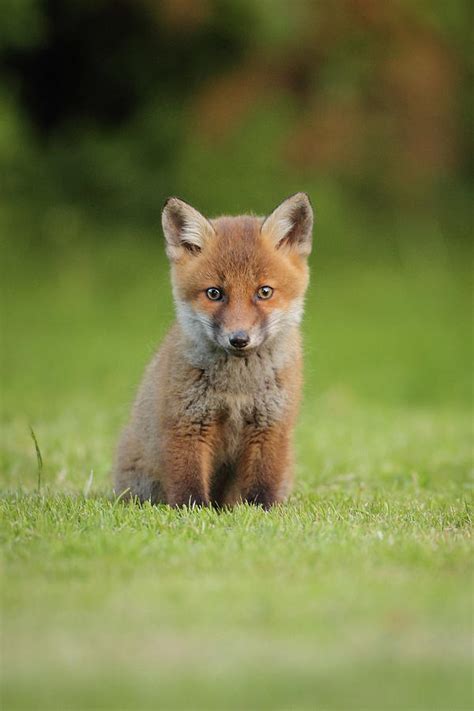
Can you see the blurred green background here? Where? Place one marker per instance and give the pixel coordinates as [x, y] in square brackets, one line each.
[363, 581]
[109, 107]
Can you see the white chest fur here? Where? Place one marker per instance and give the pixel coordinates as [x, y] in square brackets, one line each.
[239, 390]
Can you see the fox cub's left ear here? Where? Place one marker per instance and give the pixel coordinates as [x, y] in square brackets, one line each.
[291, 224]
[186, 230]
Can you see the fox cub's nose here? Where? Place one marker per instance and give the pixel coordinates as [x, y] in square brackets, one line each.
[239, 339]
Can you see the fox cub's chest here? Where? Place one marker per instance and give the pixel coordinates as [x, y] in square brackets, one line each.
[238, 391]
[242, 393]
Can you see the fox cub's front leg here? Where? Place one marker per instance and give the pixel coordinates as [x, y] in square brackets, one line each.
[187, 461]
[264, 467]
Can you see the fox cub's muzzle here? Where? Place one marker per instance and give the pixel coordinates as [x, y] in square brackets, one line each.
[239, 340]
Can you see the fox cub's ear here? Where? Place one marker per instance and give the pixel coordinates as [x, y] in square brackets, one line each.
[185, 229]
[291, 224]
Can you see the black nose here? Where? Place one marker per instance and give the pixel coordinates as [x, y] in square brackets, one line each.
[239, 339]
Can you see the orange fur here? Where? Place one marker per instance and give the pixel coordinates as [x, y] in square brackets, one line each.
[213, 421]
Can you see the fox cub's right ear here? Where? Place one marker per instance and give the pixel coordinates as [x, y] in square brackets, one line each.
[290, 225]
[185, 229]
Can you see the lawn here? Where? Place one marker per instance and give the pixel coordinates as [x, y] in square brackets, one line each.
[357, 594]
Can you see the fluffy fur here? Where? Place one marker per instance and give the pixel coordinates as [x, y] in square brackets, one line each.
[213, 424]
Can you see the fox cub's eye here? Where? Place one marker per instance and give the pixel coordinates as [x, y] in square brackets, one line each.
[264, 292]
[214, 294]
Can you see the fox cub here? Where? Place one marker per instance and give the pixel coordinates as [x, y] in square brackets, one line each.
[214, 416]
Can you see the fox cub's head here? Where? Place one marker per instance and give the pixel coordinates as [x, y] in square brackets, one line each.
[239, 281]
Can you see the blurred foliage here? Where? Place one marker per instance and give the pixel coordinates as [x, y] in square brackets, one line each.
[108, 106]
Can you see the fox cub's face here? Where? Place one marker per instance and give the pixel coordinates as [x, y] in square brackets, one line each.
[239, 281]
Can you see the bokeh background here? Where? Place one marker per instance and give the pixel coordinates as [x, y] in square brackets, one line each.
[109, 107]
[357, 593]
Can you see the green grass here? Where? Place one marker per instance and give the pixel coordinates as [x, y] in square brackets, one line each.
[356, 594]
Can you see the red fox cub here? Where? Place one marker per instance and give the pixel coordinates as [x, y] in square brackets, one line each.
[213, 420]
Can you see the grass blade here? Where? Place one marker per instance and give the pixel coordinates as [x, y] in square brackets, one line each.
[39, 458]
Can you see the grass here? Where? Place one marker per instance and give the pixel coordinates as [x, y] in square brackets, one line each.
[356, 594]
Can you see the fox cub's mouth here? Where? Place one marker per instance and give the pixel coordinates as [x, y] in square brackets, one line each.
[239, 352]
